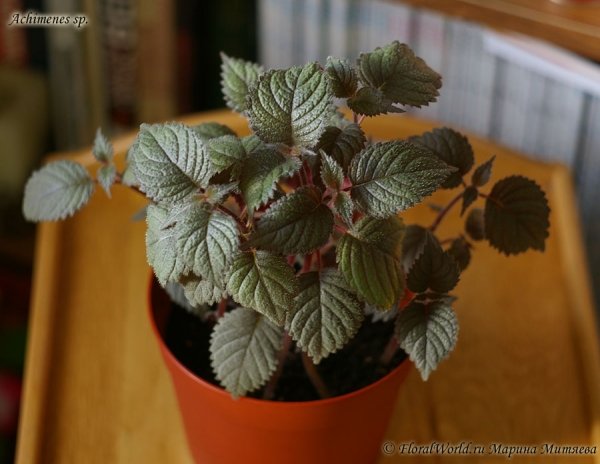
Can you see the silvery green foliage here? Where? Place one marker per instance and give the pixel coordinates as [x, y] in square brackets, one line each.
[427, 331]
[326, 315]
[244, 348]
[259, 219]
[57, 191]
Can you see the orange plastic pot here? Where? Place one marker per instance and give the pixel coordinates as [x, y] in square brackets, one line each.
[347, 429]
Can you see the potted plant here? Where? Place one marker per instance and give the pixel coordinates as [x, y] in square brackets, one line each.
[288, 246]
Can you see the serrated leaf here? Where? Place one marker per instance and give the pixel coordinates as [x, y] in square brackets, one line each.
[265, 282]
[451, 147]
[433, 269]
[170, 162]
[252, 143]
[413, 244]
[106, 177]
[371, 102]
[290, 106]
[482, 174]
[342, 144]
[57, 191]
[244, 349]
[237, 76]
[428, 333]
[401, 76]
[218, 193]
[199, 291]
[342, 76]
[211, 130]
[474, 224]
[225, 151]
[460, 251]
[369, 258]
[161, 246]
[469, 196]
[331, 172]
[297, 223]
[207, 241]
[344, 207]
[102, 149]
[327, 314]
[392, 176]
[260, 173]
[516, 216]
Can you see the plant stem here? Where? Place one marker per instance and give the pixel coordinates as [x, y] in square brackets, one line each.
[119, 180]
[444, 211]
[488, 197]
[307, 173]
[303, 178]
[230, 213]
[314, 376]
[307, 263]
[390, 351]
[340, 228]
[361, 119]
[269, 391]
[222, 308]
[319, 259]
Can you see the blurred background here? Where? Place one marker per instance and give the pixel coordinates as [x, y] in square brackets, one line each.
[139, 61]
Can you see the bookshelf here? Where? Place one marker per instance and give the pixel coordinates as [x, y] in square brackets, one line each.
[575, 27]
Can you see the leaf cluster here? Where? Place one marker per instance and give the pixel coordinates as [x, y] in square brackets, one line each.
[229, 216]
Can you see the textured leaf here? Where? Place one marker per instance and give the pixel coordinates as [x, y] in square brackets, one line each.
[451, 147]
[297, 223]
[201, 291]
[161, 246]
[102, 149]
[469, 196]
[482, 174]
[344, 207]
[460, 251]
[342, 77]
[252, 143]
[128, 177]
[369, 258]
[393, 176]
[399, 75]
[415, 238]
[244, 349]
[57, 191]
[428, 333]
[265, 282]
[327, 314]
[331, 172]
[170, 161]
[342, 144]
[237, 76]
[291, 106]
[106, 177]
[260, 173]
[474, 224]
[516, 216]
[371, 102]
[211, 130]
[433, 269]
[207, 241]
[225, 151]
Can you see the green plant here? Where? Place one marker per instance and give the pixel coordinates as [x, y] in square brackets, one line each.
[229, 216]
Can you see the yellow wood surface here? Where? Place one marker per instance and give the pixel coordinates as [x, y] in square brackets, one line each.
[525, 371]
[571, 25]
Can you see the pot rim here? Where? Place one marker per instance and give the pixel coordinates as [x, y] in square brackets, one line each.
[404, 365]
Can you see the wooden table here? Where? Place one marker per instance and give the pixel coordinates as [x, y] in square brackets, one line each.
[525, 371]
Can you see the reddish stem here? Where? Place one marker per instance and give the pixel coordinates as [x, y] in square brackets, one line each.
[445, 211]
[390, 350]
[222, 308]
[230, 213]
[319, 259]
[269, 391]
[307, 173]
[314, 376]
[307, 263]
[340, 228]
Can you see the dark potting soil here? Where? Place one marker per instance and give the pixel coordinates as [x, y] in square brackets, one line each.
[349, 369]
